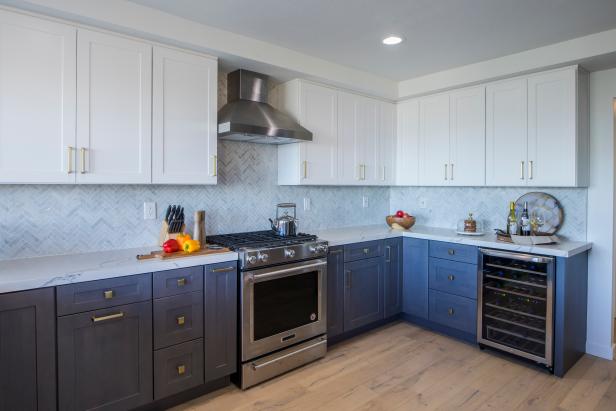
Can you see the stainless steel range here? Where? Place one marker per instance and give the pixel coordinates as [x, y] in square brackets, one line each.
[282, 301]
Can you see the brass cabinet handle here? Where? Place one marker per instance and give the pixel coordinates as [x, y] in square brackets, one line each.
[215, 166]
[450, 311]
[181, 282]
[109, 294]
[445, 171]
[181, 369]
[82, 150]
[521, 170]
[181, 320]
[451, 251]
[115, 316]
[223, 270]
[451, 171]
[383, 175]
[388, 254]
[305, 164]
[530, 170]
[69, 159]
[451, 277]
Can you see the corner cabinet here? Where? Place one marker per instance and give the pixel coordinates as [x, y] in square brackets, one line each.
[392, 282]
[28, 351]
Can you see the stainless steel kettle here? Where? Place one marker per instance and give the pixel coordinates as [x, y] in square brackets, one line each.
[285, 225]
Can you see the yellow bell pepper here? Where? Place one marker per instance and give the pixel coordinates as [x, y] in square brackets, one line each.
[182, 238]
[191, 246]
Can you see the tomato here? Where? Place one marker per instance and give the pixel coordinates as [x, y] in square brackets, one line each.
[400, 213]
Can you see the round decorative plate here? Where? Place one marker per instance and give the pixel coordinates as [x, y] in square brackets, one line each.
[544, 211]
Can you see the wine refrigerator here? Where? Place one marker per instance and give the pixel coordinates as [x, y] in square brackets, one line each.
[515, 310]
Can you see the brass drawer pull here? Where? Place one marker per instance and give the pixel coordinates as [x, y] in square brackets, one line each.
[305, 170]
[215, 166]
[115, 316]
[451, 277]
[109, 294]
[181, 282]
[450, 311]
[82, 150]
[223, 270]
[451, 251]
[181, 369]
[70, 160]
[181, 320]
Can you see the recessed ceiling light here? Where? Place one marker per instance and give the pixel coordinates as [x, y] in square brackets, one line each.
[392, 40]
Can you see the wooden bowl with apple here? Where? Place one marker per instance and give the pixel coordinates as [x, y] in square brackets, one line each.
[400, 221]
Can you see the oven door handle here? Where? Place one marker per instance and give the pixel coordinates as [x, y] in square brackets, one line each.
[285, 271]
[275, 360]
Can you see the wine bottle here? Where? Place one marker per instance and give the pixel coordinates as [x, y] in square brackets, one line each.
[512, 221]
[525, 220]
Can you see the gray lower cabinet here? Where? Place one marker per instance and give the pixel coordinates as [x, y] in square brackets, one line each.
[415, 277]
[105, 358]
[393, 277]
[27, 350]
[363, 296]
[220, 332]
[335, 291]
[178, 368]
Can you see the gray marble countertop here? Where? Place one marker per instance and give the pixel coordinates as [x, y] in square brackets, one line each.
[348, 235]
[40, 272]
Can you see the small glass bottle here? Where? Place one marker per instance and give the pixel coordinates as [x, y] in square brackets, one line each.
[525, 221]
[512, 220]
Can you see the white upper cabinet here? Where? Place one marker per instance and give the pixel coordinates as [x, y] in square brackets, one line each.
[37, 100]
[557, 154]
[315, 107]
[114, 85]
[434, 165]
[184, 134]
[467, 147]
[506, 133]
[387, 144]
[407, 143]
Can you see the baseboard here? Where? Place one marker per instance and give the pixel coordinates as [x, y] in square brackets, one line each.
[601, 350]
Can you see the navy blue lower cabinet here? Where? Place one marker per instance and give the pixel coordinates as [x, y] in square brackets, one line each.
[453, 277]
[453, 311]
[415, 277]
[28, 350]
[335, 291]
[393, 277]
[363, 296]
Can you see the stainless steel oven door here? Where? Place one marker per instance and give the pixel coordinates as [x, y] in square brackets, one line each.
[282, 306]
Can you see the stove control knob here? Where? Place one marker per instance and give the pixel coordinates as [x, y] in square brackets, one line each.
[251, 259]
[313, 249]
[289, 253]
[263, 257]
[322, 248]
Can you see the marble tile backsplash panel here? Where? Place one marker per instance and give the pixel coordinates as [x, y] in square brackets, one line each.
[446, 205]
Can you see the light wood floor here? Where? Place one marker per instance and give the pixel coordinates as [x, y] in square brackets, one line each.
[403, 367]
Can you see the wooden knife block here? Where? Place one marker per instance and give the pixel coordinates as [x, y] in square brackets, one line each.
[166, 235]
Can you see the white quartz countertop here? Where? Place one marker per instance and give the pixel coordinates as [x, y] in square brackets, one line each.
[348, 235]
[40, 272]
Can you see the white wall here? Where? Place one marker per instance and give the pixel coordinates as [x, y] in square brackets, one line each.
[601, 214]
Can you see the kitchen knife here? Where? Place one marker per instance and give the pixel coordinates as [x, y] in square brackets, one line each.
[168, 213]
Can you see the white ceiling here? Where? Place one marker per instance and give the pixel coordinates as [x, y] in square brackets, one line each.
[439, 34]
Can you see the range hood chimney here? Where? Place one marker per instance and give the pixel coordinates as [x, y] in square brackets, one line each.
[248, 117]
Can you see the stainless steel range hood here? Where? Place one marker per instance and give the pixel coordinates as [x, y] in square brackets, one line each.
[248, 117]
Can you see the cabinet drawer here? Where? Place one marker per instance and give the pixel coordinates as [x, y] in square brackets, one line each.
[178, 281]
[360, 251]
[178, 368]
[455, 252]
[94, 295]
[453, 277]
[453, 311]
[178, 319]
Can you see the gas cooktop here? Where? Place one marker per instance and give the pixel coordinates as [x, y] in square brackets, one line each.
[258, 239]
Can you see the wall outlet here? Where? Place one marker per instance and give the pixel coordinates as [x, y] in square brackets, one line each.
[149, 211]
[423, 202]
[364, 201]
[306, 204]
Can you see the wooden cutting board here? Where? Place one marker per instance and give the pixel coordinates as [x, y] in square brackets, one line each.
[161, 255]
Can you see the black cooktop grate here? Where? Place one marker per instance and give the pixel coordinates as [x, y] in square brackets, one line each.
[258, 239]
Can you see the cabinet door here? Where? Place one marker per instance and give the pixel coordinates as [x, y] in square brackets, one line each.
[319, 114]
[368, 126]
[363, 297]
[114, 85]
[468, 139]
[434, 140]
[393, 277]
[415, 277]
[552, 129]
[506, 142]
[335, 291]
[407, 144]
[386, 144]
[28, 351]
[184, 118]
[105, 358]
[220, 330]
[37, 100]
